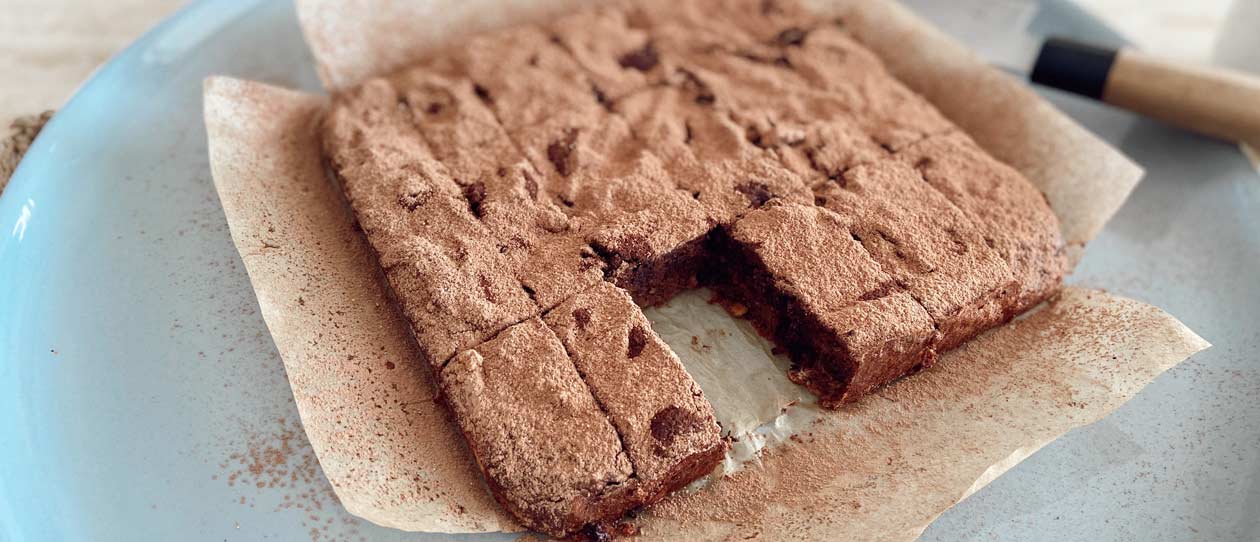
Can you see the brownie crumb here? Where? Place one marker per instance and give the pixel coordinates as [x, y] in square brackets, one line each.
[637, 341]
[411, 201]
[642, 59]
[487, 289]
[626, 529]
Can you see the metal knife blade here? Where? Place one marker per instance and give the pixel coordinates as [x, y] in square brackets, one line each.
[997, 30]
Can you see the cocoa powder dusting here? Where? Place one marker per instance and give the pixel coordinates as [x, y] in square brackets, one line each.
[279, 458]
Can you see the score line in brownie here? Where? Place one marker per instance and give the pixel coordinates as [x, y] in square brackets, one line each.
[525, 190]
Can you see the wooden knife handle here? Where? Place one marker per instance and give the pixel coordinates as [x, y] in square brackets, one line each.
[1214, 101]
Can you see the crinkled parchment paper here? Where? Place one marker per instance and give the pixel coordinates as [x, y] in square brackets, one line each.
[878, 470]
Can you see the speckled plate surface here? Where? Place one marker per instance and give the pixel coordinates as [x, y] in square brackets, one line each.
[141, 397]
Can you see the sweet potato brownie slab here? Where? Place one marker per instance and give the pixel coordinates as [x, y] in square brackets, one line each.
[525, 190]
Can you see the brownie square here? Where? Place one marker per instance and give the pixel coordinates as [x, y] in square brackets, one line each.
[930, 247]
[707, 153]
[542, 441]
[546, 248]
[546, 104]
[1013, 216]
[664, 421]
[452, 283]
[806, 282]
[853, 78]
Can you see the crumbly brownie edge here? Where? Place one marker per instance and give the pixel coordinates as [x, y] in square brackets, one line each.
[742, 284]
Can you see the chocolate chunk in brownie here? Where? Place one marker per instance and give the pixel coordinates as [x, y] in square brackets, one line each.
[809, 284]
[442, 262]
[930, 247]
[1011, 214]
[665, 423]
[547, 450]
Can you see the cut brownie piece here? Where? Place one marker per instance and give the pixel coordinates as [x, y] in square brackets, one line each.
[546, 247]
[706, 152]
[665, 423]
[582, 415]
[932, 249]
[811, 286]
[546, 104]
[1012, 215]
[453, 285]
[778, 55]
[652, 255]
[547, 450]
[854, 78]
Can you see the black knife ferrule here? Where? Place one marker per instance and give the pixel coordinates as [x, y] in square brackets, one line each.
[1073, 66]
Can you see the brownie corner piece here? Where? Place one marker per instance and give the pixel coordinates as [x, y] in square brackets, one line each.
[1014, 217]
[808, 283]
[546, 449]
[931, 248]
[665, 423]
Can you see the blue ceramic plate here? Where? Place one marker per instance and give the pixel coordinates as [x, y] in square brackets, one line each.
[142, 398]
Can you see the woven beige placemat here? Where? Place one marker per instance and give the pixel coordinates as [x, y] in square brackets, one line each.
[48, 48]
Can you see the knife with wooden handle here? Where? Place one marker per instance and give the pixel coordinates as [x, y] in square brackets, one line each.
[1213, 101]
